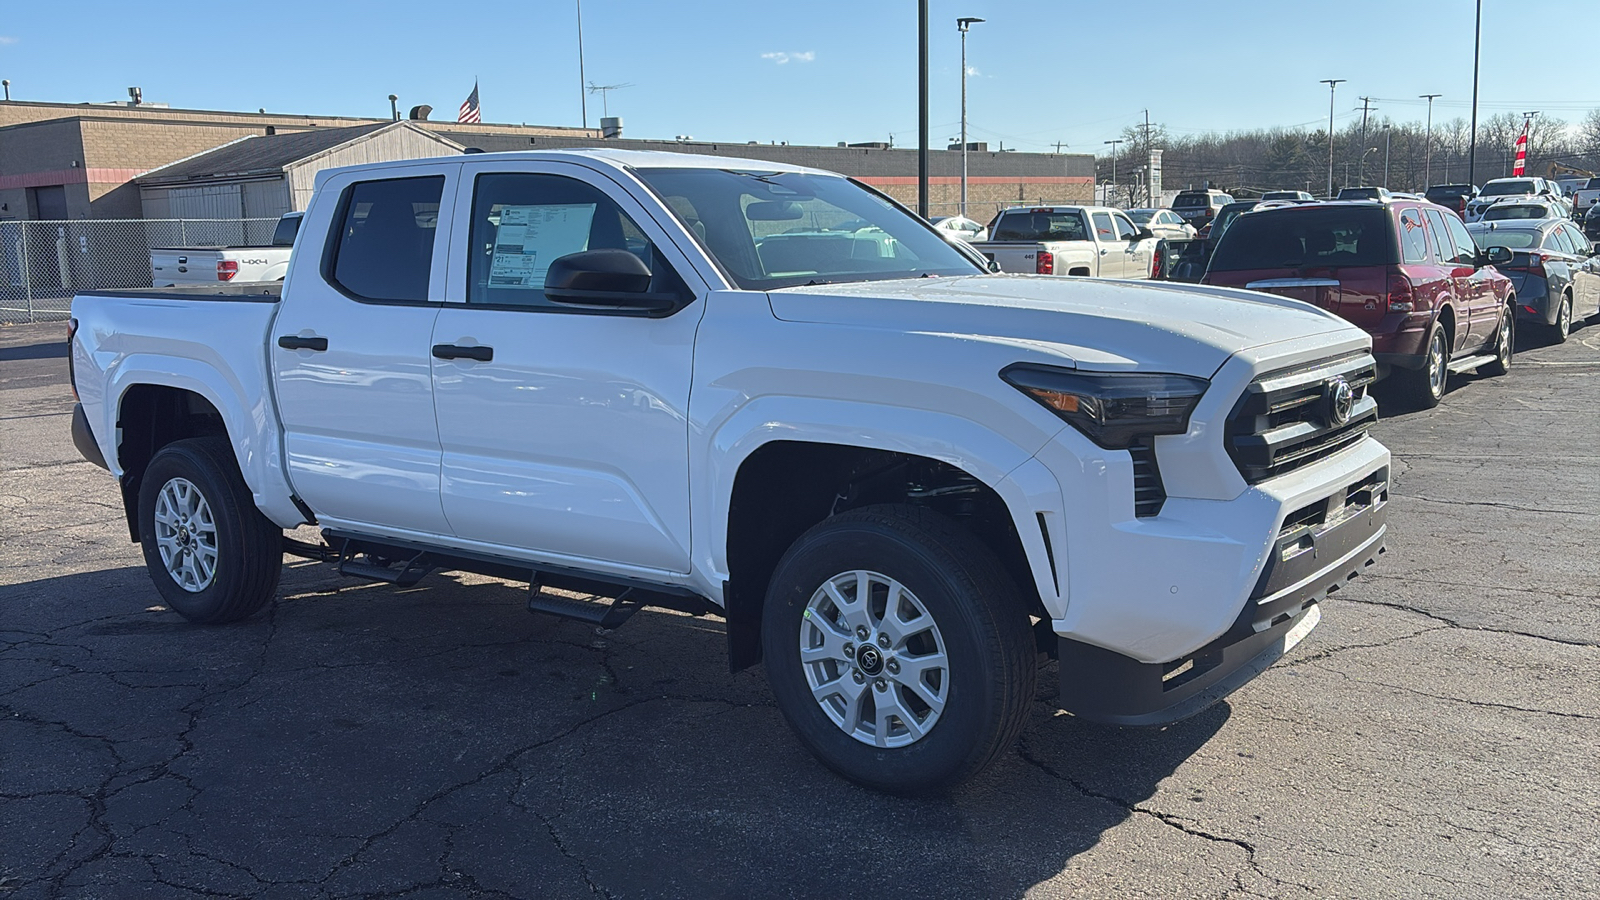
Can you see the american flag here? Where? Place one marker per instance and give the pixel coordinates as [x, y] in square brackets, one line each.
[469, 109]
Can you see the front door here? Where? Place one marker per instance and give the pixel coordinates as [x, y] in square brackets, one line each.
[1136, 254]
[565, 429]
[350, 358]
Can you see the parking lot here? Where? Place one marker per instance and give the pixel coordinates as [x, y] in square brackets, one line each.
[1436, 736]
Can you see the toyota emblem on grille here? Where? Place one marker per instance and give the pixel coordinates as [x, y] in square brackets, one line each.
[1340, 399]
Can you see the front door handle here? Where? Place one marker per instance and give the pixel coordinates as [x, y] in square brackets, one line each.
[455, 351]
[295, 342]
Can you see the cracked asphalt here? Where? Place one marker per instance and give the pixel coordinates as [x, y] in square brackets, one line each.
[1435, 737]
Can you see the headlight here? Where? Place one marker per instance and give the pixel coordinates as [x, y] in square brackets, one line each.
[1113, 409]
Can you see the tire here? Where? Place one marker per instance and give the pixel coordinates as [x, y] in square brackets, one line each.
[1423, 388]
[1563, 325]
[213, 556]
[1505, 344]
[977, 618]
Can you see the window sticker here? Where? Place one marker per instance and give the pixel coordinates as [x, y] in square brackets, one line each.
[529, 238]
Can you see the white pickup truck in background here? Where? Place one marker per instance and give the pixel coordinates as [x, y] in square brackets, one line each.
[1585, 197]
[174, 266]
[1087, 241]
[761, 392]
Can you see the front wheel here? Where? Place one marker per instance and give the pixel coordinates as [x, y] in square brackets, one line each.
[898, 648]
[212, 555]
[1505, 343]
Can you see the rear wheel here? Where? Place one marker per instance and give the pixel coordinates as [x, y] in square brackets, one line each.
[212, 555]
[1505, 343]
[1423, 388]
[898, 648]
[1563, 325]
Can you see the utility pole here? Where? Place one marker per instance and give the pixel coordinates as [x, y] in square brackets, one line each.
[1477, 44]
[1113, 168]
[1427, 156]
[962, 24]
[1361, 170]
[1387, 136]
[1060, 144]
[1333, 84]
[583, 97]
[922, 108]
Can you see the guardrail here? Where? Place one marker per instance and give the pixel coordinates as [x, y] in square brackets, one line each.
[43, 263]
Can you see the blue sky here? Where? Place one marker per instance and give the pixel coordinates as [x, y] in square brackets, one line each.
[816, 72]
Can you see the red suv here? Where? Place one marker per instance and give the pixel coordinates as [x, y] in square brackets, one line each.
[1407, 271]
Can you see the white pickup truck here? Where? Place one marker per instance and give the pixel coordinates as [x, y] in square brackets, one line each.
[1090, 241]
[767, 393]
[175, 266]
[1585, 197]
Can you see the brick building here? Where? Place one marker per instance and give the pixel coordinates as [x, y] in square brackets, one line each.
[80, 161]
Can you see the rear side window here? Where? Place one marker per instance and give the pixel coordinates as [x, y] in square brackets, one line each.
[1557, 240]
[1413, 236]
[386, 233]
[288, 227]
[1306, 237]
[1103, 228]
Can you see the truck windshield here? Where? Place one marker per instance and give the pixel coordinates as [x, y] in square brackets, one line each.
[770, 230]
[1040, 225]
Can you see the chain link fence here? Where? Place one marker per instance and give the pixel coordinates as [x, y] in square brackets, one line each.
[43, 263]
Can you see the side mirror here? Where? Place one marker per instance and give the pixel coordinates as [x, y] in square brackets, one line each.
[1144, 234]
[614, 279]
[1496, 256]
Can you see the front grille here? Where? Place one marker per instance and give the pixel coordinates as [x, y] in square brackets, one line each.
[1148, 493]
[1284, 420]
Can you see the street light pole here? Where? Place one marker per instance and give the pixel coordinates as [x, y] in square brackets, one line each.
[1113, 169]
[961, 25]
[1332, 83]
[1472, 150]
[583, 99]
[1427, 164]
[922, 108]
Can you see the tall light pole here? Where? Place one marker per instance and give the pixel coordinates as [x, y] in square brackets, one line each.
[962, 25]
[1332, 83]
[1113, 169]
[1427, 142]
[1472, 150]
[583, 99]
[922, 108]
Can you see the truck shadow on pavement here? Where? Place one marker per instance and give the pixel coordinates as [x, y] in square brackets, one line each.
[46, 350]
[360, 739]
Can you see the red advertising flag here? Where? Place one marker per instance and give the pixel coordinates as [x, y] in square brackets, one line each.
[1522, 151]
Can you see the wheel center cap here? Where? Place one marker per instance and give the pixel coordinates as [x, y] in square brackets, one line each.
[870, 660]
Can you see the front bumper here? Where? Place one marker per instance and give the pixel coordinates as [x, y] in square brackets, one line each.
[1317, 551]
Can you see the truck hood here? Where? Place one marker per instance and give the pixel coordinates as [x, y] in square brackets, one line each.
[1089, 323]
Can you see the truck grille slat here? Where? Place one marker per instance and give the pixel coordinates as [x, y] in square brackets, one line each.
[1285, 421]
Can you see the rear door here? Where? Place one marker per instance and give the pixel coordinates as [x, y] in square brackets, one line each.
[350, 353]
[1108, 250]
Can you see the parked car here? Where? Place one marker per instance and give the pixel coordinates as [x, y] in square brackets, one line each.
[589, 370]
[1198, 208]
[172, 266]
[962, 227]
[1091, 241]
[1287, 195]
[1407, 272]
[1523, 208]
[1533, 187]
[1163, 223]
[1453, 197]
[1363, 193]
[1585, 198]
[1591, 223]
[1553, 270]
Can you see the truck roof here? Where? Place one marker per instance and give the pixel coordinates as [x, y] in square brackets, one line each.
[606, 156]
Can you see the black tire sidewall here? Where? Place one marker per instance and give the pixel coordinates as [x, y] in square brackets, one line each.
[196, 462]
[972, 708]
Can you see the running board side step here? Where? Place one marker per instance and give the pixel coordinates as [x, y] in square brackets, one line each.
[595, 612]
[1471, 362]
[411, 570]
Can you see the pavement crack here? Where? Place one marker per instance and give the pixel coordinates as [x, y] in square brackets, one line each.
[1453, 623]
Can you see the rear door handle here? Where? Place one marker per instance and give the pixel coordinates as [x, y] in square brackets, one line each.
[295, 342]
[455, 351]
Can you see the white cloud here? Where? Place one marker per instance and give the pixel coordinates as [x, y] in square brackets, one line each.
[7, 39]
[973, 71]
[784, 58]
